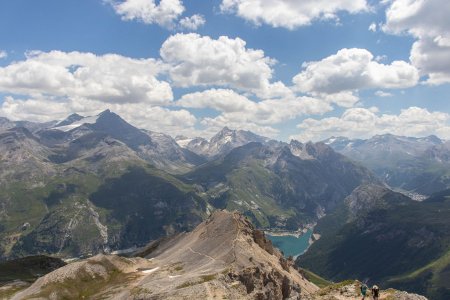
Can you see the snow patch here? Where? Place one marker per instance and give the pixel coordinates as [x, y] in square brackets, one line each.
[150, 271]
[184, 143]
[87, 120]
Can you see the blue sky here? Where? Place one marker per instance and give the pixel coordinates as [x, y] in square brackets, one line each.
[170, 89]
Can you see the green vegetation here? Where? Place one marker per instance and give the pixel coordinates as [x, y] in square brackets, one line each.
[29, 268]
[283, 193]
[402, 246]
[206, 278]
[203, 279]
[334, 287]
[145, 205]
[123, 197]
[178, 268]
[7, 292]
[84, 286]
[314, 278]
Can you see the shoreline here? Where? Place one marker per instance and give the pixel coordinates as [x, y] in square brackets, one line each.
[297, 233]
[309, 229]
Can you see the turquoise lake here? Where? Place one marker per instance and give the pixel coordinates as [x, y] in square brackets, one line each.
[291, 245]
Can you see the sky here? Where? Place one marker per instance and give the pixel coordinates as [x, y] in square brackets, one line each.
[286, 69]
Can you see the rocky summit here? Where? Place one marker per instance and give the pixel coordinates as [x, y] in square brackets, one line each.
[224, 257]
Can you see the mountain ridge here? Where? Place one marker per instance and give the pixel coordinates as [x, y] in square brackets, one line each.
[223, 257]
[418, 165]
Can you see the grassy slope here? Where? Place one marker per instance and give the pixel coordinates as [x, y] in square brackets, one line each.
[55, 203]
[405, 248]
[239, 181]
[316, 279]
[251, 185]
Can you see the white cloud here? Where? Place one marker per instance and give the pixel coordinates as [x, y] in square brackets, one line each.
[418, 17]
[429, 22]
[139, 114]
[213, 125]
[351, 70]
[34, 109]
[343, 99]
[193, 22]
[3, 54]
[109, 78]
[237, 109]
[383, 94]
[373, 27]
[164, 13]
[219, 99]
[364, 123]
[202, 61]
[432, 60]
[291, 13]
[55, 84]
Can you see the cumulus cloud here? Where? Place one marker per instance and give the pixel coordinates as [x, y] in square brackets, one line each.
[364, 123]
[51, 85]
[3, 54]
[342, 99]
[238, 110]
[34, 109]
[432, 59]
[429, 23]
[223, 100]
[202, 61]
[109, 78]
[193, 22]
[373, 27]
[352, 70]
[163, 12]
[291, 14]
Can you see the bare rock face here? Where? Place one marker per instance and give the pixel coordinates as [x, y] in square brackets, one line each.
[267, 285]
[406, 296]
[262, 241]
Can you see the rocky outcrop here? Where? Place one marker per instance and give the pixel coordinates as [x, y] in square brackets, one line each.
[350, 290]
[221, 257]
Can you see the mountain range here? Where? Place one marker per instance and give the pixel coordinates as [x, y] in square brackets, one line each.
[97, 184]
[415, 165]
[89, 185]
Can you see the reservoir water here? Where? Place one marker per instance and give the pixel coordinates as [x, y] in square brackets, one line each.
[291, 245]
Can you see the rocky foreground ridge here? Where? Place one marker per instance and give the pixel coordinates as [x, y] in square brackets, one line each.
[224, 257]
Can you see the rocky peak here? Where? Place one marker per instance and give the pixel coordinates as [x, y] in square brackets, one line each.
[113, 125]
[299, 149]
[367, 197]
[223, 257]
[70, 119]
[225, 133]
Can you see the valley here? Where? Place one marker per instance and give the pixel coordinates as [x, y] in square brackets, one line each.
[90, 185]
